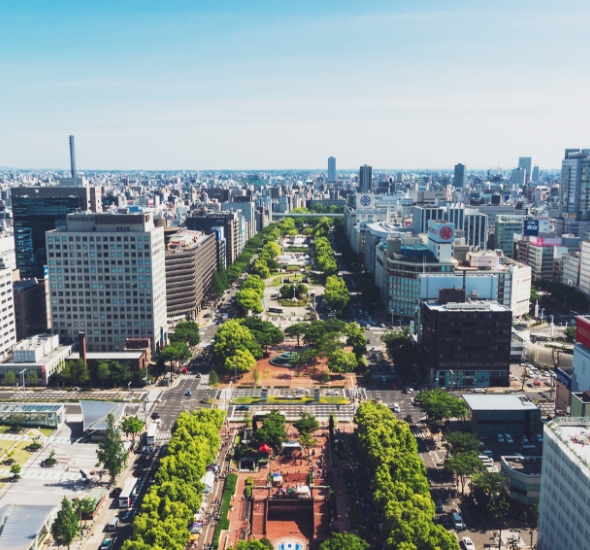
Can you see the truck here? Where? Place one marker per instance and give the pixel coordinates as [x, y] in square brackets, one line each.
[224, 317]
[150, 436]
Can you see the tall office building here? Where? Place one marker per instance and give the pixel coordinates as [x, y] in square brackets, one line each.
[8, 332]
[518, 176]
[459, 177]
[40, 209]
[574, 190]
[535, 176]
[564, 516]
[365, 179]
[331, 168]
[191, 261]
[505, 227]
[526, 163]
[107, 278]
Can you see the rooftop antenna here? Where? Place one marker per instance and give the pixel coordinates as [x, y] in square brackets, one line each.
[73, 157]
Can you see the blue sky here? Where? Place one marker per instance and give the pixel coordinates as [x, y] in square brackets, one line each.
[285, 84]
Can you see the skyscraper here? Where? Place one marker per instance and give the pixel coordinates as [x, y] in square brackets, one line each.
[40, 209]
[526, 164]
[574, 191]
[365, 179]
[107, 278]
[331, 168]
[459, 178]
[535, 176]
[518, 176]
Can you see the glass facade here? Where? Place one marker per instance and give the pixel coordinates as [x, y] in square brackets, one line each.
[33, 216]
[32, 415]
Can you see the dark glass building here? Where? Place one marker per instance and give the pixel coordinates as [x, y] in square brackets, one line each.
[40, 209]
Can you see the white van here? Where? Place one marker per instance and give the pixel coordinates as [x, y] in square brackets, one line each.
[396, 408]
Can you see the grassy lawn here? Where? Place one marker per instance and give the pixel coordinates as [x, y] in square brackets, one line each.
[4, 429]
[46, 431]
[5, 444]
[19, 454]
[313, 278]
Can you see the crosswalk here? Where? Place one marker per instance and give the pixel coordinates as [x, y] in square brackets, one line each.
[163, 436]
[321, 411]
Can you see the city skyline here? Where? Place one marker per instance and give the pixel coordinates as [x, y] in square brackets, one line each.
[226, 86]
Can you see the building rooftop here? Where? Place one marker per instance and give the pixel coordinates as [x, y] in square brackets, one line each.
[575, 434]
[94, 414]
[475, 305]
[498, 402]
[29, 408]
[526, 465]
[20, 525]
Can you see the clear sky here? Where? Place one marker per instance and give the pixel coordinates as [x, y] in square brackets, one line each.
[198, 84]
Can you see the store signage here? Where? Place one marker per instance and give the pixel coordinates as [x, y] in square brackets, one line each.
[539, 241]
[564, 379]
[531, 228]
[583, 331]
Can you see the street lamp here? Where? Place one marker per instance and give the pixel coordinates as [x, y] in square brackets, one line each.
[129, 390]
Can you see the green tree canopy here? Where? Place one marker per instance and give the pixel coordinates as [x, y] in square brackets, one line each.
[356, 339]
[186, 332]
[254, 282]
[488, 484]
[461, 443]
[110, 452]
[272, 432]
[265, 333]
[463, 466]
[336, 294]
[438, 404]
[307, 423]
[231, 336]
[261, 269]
[402, 352]
[342, 541]
[296, 330]
[249, 300]
[342, 361]
[65, 526]
[131, 425]
[272, 249]
[241, 361]
[220, 282]
[176, 351]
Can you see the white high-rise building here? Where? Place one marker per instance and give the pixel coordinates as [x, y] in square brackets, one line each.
[331, 168]
[107, 278]
[526, 163]
[8, 330]
[7, 252]
[518, 176]
[564, 516]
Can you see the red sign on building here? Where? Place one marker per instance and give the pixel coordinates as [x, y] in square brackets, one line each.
[583, 331]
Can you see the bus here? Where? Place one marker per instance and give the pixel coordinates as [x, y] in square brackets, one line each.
[224, 317]
[128, 493]
[150, 436]
[275, 310]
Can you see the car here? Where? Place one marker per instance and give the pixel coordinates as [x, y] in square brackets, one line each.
[516, 454]
[468, 544]
[198, 375]
[189, 393]
[457, 521]
[115, 492]
[409, 418]
[440, 507]
[408, 390]
[155, 415]
[508, 438]
[107, 543]
[382, 325]
[500, 438]
[242, 408]
[396, 408]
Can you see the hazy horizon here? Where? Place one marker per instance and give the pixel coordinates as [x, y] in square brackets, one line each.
[230, 85]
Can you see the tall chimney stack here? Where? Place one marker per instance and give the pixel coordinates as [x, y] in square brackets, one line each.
[73, 157]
